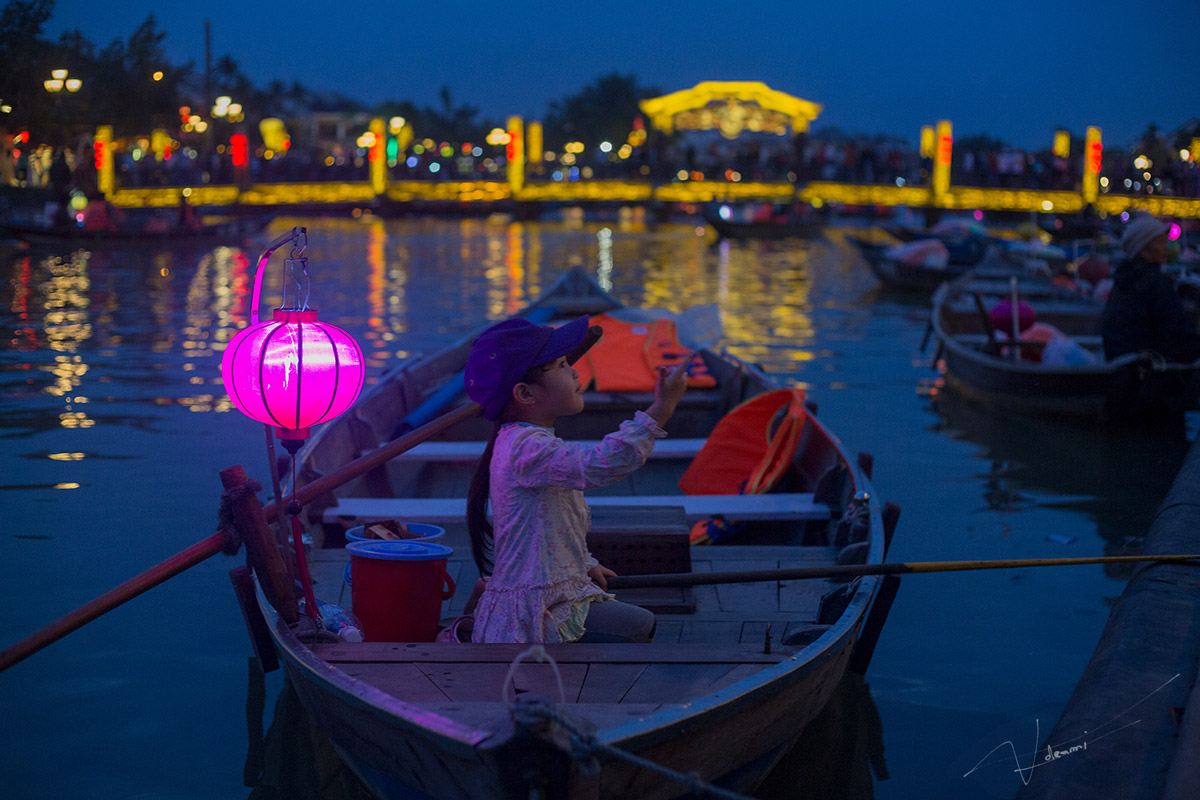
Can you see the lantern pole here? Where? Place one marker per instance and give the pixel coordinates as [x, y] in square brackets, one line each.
[298, 236]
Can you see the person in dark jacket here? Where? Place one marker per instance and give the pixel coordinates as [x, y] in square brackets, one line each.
[1144, 315]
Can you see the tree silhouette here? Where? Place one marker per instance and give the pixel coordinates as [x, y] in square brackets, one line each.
[602, 111]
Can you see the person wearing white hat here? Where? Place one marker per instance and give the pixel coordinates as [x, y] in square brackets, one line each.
[1144, 314]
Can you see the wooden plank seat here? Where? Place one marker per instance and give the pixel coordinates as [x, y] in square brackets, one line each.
[980, 339]
[574, 653]
[450, 510]
[471, 451]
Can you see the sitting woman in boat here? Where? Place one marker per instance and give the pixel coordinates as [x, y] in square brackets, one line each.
[1143, 311]
[544, 585]
[1144, 314]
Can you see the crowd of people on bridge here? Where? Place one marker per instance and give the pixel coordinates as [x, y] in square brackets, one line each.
[862, 159]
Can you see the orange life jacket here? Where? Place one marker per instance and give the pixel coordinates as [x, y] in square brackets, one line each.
[742, 455]
[627, 355]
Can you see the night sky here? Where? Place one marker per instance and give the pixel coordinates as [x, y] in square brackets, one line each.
[1016, 70]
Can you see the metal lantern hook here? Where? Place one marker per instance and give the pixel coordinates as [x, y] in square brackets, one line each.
[298, 236]
[303, 285]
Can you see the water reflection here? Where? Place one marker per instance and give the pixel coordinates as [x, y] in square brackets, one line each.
[115, 326]
[294, 760]
[838, 752]
[1115, 478]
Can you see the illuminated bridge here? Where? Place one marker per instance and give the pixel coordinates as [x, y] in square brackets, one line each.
[724, 106]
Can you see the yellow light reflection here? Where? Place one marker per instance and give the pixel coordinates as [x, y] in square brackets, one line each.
[75, 419]
[66, 456]
[514, 261]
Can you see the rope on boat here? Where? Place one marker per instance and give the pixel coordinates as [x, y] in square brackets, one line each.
[537, 653]
[581, 744]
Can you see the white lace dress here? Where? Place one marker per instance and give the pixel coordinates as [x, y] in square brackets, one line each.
[540, 590]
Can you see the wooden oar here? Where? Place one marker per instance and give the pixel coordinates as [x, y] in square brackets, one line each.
[378, 457]
[221, 540]
[115, 597]
[856, 570]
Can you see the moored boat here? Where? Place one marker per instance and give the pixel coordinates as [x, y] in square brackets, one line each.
[784, 225]
[981, 363]
[903, 275]
[233, 231]
[734, 672]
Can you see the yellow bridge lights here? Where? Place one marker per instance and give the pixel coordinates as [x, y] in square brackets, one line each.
[1093, 152]
[943, 150]
[515, 153]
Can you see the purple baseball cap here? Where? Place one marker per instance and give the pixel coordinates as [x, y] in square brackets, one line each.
[503, 353]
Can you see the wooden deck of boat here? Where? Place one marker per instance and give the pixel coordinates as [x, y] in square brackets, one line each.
[725, 614]
[692, 654]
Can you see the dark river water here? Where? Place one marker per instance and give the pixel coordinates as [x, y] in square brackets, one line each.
[114, 425]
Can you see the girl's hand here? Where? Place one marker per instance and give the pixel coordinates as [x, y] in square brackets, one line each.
[669, 389]
[600, 575]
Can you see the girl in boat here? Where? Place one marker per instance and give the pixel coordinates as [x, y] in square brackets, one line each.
[544, 585]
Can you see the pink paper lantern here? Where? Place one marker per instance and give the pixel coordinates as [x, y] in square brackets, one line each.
[293, 372]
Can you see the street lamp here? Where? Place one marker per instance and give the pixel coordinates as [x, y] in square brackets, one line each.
[58, 81]
[225, 108]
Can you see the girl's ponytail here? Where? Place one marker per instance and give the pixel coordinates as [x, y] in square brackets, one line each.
[478, 527]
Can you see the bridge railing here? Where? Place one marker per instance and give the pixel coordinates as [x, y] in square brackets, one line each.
[460, 192]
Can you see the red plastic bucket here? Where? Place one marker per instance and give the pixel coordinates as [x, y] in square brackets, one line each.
[397, 588]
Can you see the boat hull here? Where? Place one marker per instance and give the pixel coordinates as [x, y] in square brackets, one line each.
[228, 231]
[401, 752]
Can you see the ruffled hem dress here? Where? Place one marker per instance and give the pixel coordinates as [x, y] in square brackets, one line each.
[540, 590]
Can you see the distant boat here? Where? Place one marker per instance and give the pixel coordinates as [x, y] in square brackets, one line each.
[232, 231]
[982, 365]
[723, 691]
[973, 252]
[782, 226]
[913, 277]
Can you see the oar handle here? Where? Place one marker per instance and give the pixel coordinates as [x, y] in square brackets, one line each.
[131, 588]
[267, 564]
[858, 570]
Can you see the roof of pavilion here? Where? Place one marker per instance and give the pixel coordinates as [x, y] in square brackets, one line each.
[731, 107]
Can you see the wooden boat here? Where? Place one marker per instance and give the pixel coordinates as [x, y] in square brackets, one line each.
[233, 231]
[789, 227]
[979, 367]
[983, 255]
[902, 276]
[733, 674]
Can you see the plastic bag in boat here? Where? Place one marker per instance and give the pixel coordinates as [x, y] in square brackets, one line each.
[1066, 352]
[921, 253]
